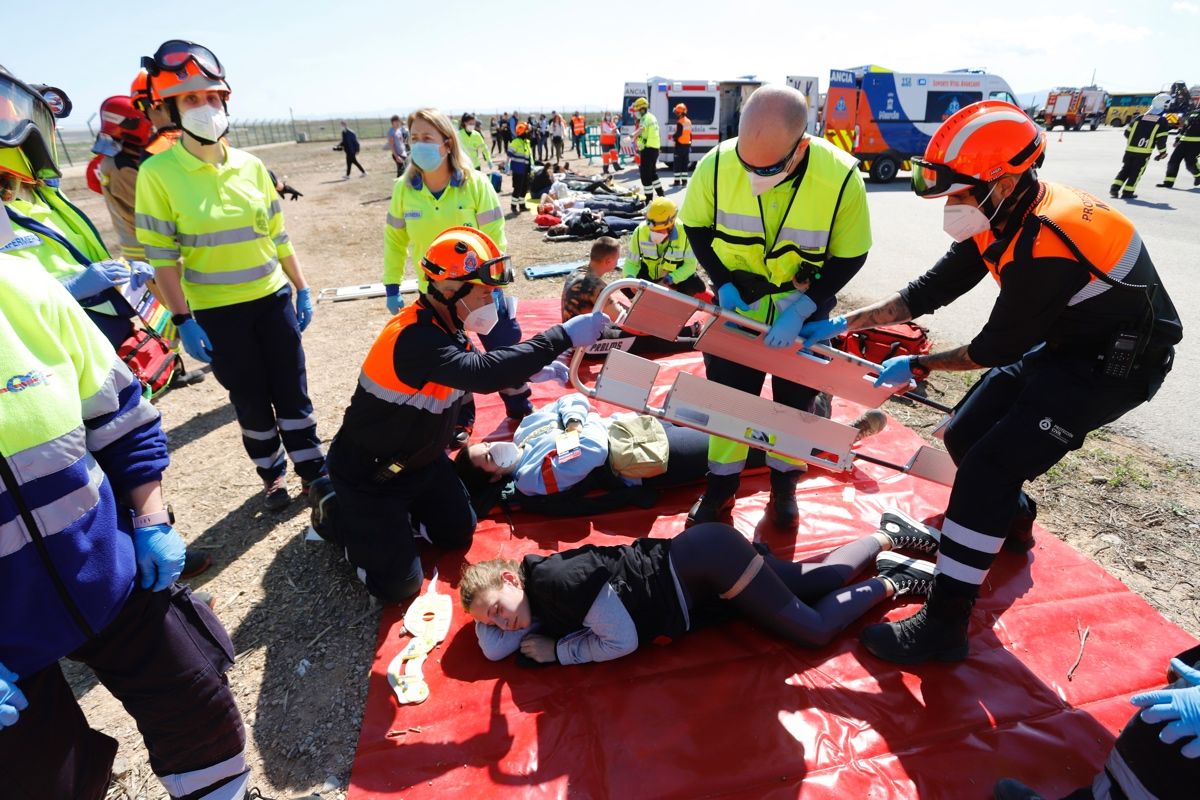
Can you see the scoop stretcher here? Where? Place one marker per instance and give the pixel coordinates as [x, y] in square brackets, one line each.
[631, 382]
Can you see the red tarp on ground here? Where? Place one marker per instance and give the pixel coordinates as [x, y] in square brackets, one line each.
[732, 712]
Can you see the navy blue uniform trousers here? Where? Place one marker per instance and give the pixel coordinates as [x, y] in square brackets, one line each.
[1014, 425]
[257, 356]
[164, 658]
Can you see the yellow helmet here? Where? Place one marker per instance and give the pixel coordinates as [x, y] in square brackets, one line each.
[641, 104]
[16, 163]
[660, 214]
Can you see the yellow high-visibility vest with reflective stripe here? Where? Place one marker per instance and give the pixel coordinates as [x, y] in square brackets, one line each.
[674, 255]
[223, 220]
[796, 234]
[415, 218]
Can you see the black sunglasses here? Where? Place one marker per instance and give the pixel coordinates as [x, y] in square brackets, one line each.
[775, 168]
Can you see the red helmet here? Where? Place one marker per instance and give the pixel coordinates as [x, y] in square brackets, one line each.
[466, 254]
[124, 122]
[522, 128]
[975, 146]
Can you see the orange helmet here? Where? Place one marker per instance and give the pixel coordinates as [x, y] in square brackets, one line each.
[179, 67]
[522, 128]
[977, 145]
[466, 254]
[680, 108]
[139, 91]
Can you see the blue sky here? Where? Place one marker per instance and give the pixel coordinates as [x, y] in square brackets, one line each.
[369, 57]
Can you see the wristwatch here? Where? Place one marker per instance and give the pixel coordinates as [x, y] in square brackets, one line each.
[164, 517]
[918, 370]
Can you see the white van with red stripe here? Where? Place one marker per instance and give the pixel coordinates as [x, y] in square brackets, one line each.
[713, 107]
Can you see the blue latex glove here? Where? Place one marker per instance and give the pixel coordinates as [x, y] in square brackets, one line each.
[897, 371]
[160, 553]
[730, 299]
[585, 329]
[97, 277]
[304, 307]
[554, 371]
[1181, 706]
[12, 699]
[195, 341]
[795, 311]
[140, 272]
[394, 301]
[669, 279]
[822, 330]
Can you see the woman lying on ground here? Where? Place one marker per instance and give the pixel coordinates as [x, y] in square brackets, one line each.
[600, 603]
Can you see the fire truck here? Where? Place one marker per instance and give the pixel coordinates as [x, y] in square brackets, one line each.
[886, 117]
[1073, 108]
[714, 108]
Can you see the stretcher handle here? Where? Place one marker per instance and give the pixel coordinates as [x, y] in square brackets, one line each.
[637, 284]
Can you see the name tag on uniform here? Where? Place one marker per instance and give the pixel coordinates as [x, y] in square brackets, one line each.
[567, 445]
[412, 214]
[11, 239]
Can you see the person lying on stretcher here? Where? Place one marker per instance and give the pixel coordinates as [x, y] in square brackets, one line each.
[600, 603]
[562, 451]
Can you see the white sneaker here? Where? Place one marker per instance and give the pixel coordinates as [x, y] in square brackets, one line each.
[345, 177]
[362, 175]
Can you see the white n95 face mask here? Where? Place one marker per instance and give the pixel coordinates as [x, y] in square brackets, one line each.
[206, 123]
[504, 454]
[482, 319]
[658, 237]
[764, 183]
[962, 222]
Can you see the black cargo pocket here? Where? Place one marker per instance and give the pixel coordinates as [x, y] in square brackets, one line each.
[204, 628]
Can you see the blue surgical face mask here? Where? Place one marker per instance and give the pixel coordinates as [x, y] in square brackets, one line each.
[427, 155]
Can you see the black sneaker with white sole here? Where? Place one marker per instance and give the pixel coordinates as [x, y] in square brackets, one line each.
[910, 576]
[907, 533]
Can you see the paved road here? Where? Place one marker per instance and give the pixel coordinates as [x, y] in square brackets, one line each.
[909, 238]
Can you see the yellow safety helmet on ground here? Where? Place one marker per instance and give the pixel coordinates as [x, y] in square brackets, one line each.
[466, 254]
[660, 214]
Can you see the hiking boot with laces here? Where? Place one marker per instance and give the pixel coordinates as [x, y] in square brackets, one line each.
[938, 632]
[908, 534]
[910, 576]
[275, 494]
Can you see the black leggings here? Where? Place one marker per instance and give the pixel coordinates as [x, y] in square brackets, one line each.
[352, 160]
[712, 558]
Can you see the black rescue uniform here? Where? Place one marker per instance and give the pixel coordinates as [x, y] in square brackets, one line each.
[388, 463]
[1149, 132]
[1068, 353]
[1187, 150]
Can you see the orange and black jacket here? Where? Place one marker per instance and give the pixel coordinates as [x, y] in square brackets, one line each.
[415, 377]
[1046, 294]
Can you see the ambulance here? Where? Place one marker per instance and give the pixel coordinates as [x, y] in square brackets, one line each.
[885, 118]
[713, 107]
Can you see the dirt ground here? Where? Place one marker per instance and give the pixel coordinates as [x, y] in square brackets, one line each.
[303, 626]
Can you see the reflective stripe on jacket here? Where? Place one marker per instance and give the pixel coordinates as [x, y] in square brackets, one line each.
[672, 256]
[223, 220]
[75, 433]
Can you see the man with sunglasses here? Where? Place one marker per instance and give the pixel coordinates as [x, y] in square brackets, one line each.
[779, 222]
[388, 463]
[1082, 332]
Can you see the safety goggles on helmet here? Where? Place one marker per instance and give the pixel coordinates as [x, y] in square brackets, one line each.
[174, 55]
[493, 272]
[774, 169]
[938, 180]
[27, 122]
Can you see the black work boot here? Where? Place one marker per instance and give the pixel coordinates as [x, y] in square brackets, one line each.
[1020, 534]
[784, 512]
[717, 500]
[938, 632]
